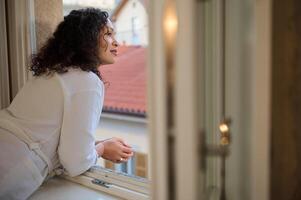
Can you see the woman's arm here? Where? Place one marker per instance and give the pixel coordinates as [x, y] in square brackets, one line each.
[76, 149]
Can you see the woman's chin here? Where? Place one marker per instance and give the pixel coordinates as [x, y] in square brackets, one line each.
[108, 62]
[112, 62]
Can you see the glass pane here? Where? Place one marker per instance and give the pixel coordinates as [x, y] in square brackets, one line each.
[124, 112]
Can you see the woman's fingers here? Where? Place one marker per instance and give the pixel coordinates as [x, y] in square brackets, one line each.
[123, 157]
[126, 155]
[126, 144]
[116, 150]
[126, 150]
[123, 142]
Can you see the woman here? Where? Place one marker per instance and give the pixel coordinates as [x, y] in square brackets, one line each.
[51, 122]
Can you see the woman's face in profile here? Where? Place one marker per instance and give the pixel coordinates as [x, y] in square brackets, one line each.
[108, 44]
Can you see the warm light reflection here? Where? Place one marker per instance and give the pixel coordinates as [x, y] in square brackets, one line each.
[170, 23]
[223, 128]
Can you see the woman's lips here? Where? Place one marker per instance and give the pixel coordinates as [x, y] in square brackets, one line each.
[114, 52]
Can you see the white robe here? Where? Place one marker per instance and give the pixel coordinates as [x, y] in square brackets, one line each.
[61, 114]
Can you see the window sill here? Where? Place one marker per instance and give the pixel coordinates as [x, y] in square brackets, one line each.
[126, 118]
[114, 183]
[59, 188]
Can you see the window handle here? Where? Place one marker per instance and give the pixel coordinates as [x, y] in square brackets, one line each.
[219, 150]
[224, 129]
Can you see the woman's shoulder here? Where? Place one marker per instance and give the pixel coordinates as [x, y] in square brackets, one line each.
[76, 80]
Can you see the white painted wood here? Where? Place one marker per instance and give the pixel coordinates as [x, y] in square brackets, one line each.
[261, 98]
[210, 87]
[239, 64]
[187, 133]
[247, 94]
[248, 98]
[19, 42]
[157, 96]
[31, 32]
[4, 70]
[131, 182]
[126, 118]
[60, 189]
[116, 184]
[109, 188]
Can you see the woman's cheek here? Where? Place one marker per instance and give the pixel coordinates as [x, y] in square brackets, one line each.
[110, 40]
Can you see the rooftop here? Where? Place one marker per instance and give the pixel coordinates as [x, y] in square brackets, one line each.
[125, 82]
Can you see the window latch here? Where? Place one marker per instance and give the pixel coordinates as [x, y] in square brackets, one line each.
[221, 149]
[101, 183]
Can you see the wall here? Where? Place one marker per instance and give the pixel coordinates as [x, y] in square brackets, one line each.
[133, 132]
[130, 129]
[124, 23]
[47, 16]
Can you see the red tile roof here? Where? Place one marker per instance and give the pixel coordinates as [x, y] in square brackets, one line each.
[126, 82]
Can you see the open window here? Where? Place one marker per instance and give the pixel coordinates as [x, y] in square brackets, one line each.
[167, 133]
[124, 113]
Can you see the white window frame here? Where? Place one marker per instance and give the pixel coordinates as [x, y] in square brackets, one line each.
[120, 184]
[251, 125]
[261, 98]
[4, 70]
[16, 21]
[114, 183]
[21, 44]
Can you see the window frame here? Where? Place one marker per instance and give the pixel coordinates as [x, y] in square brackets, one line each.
[17, 34]
[20, 28]
[114, 183]
[157, 96]
[4, 70]
[246, 79]
[21, 44]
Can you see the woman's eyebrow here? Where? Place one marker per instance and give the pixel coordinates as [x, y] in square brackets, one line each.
[112, 30]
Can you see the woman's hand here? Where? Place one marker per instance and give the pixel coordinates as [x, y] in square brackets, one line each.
[114, 149]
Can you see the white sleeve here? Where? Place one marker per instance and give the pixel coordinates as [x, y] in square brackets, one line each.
[77, 143]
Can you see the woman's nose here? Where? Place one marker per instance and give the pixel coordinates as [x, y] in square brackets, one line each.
[115, 43]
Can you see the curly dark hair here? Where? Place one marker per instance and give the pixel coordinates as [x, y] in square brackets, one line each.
[74, 44]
